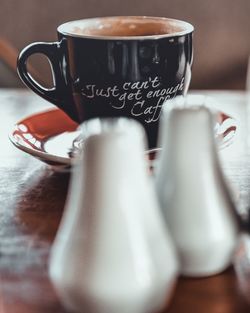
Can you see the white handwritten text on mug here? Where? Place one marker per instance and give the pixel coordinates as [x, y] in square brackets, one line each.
[135, 95]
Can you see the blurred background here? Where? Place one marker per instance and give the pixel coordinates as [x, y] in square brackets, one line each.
[221, 38]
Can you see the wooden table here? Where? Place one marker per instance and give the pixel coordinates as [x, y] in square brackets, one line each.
[32, 199]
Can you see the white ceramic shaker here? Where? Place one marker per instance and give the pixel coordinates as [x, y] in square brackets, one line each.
[192, 192]
[112, 252]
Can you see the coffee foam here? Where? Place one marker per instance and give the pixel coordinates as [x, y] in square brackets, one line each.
[125, 27]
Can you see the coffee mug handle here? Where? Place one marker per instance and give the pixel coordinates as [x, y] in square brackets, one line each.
[51, 51]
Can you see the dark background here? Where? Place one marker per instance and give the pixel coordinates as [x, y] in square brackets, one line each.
[221, 38]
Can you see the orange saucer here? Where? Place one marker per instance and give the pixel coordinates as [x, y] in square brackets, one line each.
[47, 136]
[51, 136]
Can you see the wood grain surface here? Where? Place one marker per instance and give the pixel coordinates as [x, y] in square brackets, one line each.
[32, 199]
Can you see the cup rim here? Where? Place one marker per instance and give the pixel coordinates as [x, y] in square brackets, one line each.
[189, 28]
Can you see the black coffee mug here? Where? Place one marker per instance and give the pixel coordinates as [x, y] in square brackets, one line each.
[115, 66]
